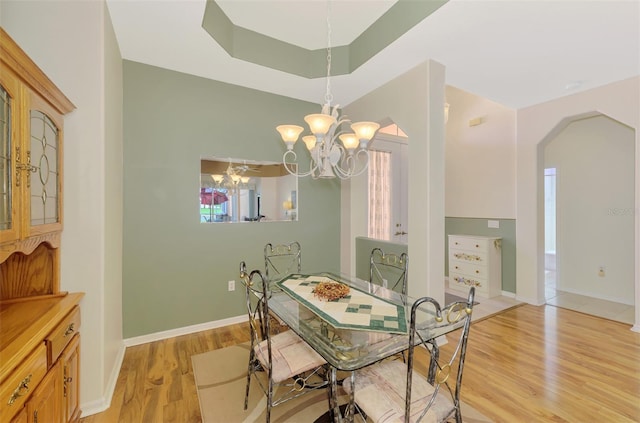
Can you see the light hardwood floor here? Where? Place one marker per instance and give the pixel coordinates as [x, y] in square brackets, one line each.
[527, 364]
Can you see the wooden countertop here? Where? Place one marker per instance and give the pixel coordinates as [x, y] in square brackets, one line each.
[25, 323]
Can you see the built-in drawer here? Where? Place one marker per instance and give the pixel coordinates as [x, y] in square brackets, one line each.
[15, 390]
[461, 282]
[467, 243]
[62, 335]
[475, 257]
[469, 269]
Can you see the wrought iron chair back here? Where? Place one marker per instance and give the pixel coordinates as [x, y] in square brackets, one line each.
[282, 259]
[389, 270]
[266, 357]
[457, 313]
[434, 397]
[254, 291]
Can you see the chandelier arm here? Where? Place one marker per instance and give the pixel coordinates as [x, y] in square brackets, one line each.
[312, 169]
[346, 159]
[351, 161]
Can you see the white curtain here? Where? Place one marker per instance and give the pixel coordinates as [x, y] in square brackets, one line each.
[379, 195]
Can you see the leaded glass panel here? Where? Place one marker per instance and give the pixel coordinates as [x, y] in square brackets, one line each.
[44, 180]
[5, 160]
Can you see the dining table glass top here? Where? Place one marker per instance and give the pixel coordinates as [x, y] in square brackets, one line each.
[348, 332]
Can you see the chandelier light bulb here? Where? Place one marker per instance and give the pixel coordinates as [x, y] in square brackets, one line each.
[289, 134]
[350, 141]
[319, 123]
[365, 130]
[309, 141]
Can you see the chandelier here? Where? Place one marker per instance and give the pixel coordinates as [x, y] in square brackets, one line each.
[330, 158]
[230, 179]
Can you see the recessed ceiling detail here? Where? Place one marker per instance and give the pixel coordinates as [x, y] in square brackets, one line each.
[260, 49]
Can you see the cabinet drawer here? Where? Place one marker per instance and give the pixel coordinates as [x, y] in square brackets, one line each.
[462, 282]
[466, 243]
[17, 388]
[469, 269]
[62, 335]
[475, 257]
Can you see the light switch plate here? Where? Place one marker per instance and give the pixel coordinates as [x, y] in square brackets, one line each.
[493, 224]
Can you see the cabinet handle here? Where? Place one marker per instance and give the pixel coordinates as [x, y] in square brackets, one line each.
[66, 380]
[24, 166]
[70, 330]
[21, 390]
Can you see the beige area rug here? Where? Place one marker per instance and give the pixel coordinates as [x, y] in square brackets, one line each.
[221, 377]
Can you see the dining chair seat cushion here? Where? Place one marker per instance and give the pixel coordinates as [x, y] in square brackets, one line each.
[291, 356]
[380, 392]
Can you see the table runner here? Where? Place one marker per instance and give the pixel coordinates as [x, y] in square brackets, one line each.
[358, 310]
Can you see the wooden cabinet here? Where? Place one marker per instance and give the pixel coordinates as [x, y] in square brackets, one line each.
[44, 406]
[475, 261]
[31, 135]
[70, 360]
[33, 350]
[31, 146]
[21, 417]
[39, 330]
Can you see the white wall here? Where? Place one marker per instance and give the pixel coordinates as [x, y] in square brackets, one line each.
[480, 168]
[113, 178]
[67, 41]
[415, 102]
[619, 101]
[594, 158]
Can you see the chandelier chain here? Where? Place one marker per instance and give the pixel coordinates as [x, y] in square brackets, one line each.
[328, 97]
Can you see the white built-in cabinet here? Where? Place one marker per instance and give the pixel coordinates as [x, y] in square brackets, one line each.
[475, 261]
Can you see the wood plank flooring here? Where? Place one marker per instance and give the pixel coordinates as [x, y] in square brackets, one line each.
[527, 364]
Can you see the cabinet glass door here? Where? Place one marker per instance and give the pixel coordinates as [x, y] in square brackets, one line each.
[44, 155]
[6, 221]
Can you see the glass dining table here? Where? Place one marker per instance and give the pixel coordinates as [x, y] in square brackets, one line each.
[369, 324]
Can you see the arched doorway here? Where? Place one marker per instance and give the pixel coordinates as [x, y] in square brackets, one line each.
[593, 160]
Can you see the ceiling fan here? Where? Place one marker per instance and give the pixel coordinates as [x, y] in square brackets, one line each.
[239, 169]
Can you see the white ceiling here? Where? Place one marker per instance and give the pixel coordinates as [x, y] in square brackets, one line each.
[514, 52]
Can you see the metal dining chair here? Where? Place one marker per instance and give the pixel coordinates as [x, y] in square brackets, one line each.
[282, 259]
[291, 367]
[279, 261]
[393, 391]
[389, 270]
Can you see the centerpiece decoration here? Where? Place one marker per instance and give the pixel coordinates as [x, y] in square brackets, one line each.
[331, 291]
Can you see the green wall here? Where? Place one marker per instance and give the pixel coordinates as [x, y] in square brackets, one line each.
[476, 226]
[363, 252]
[175, 269]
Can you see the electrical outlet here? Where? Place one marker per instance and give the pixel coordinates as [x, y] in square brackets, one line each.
[232, 285]
[601, 271]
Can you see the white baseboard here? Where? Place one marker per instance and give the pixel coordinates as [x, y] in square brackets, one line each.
[158, 336]
[100, 405]
[95, 407]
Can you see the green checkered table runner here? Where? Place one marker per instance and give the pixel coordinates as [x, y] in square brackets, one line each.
[358, 310]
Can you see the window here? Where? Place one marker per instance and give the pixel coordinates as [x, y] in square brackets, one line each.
[387, 188]
[379, 194]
